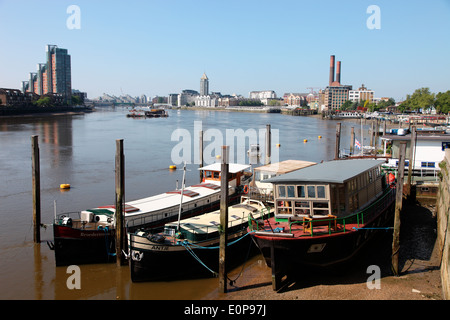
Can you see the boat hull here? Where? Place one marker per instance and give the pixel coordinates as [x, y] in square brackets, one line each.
[288, 255]
[77, 246]
[154, 262]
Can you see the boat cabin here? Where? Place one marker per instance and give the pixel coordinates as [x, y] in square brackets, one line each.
[239, 174]
[337, 188]
[429, 150]
[275, 169]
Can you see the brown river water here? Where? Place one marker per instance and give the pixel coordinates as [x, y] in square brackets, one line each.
[80, 150]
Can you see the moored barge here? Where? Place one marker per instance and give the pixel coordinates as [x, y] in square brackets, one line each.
[324, 214]
[190, 248]
[89, 236]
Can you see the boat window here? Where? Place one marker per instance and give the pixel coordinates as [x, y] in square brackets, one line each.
[311, 191]
[445, 145]
[370, 176]
[320, 204]
[208, 174]
[281, 191]
[428, 164]
[299, 211]
[216, 175]
[284, 207]
[302, 204]
[321, 192]
[290, 191]
[301, 191]
[320, 212]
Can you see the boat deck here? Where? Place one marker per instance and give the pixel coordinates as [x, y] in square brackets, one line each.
[303, 227]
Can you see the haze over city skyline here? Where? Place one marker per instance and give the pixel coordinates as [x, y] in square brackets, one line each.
[162, 47]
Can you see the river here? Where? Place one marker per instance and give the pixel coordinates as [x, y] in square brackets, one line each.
[80, 150]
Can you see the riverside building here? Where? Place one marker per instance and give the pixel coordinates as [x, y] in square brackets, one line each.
[52, 77]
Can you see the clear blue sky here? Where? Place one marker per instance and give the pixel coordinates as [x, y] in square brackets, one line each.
[159, 47]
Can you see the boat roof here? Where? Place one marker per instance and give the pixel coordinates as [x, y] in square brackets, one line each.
[209, 222]
[407, 137]
[232, 167]
[336, 171]
[285, 166]
[170, 199]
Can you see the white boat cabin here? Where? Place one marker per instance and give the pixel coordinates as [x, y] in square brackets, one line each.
[239, 174]
[336, 188]
[429, 151]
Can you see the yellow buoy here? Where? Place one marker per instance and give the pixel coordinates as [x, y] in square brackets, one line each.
[305, 140]
[172, 167]
[64, 186]
[278, 145]
[320, 137]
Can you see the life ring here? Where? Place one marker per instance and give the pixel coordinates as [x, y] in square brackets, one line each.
[246, 189]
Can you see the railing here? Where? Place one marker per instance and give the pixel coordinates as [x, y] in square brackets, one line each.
[358, 218]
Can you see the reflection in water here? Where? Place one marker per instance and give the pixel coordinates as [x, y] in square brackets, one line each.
[80, 150]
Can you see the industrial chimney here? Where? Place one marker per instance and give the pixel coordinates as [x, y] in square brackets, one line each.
[331, 70]
[338, 72]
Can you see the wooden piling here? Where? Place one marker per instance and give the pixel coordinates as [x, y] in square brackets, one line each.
[338, 141]
[35, 167]
[268, 144]
[398, 209]
[223, 221]
[412, 151]
[352, 141]
[200, 146]
[120, 191]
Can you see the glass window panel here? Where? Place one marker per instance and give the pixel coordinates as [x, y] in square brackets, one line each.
[320, 204]
[290, 191]
[321, 192]
[281, 191]
[302, 211]
[311, 191]
[320, 212]
[302, 204]
[301, 191]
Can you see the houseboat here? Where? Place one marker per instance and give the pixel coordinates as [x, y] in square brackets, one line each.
[323, 216]
[190, 248]
[88, 236]
[429, 146]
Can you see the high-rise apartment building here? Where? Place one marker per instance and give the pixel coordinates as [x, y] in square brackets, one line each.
[55, 76]
[204, 85]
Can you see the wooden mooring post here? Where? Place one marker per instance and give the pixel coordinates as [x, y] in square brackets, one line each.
[398, 209]
[412, 153]
[268, 144]
[35, 167]
[120, 192]
[352, 141]
[223, 221]
[200, 146]
[338, 141]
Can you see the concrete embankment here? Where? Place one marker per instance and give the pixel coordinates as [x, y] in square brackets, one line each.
[443, 222]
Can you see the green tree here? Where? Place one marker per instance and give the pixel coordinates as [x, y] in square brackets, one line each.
[76, 100]
[43, 102]
[347, 105]
[421, 99]
[443, 102]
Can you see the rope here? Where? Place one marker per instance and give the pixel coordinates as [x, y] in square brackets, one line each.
[106, 241]
[385, 228]
[189, 247]
[185, 244]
